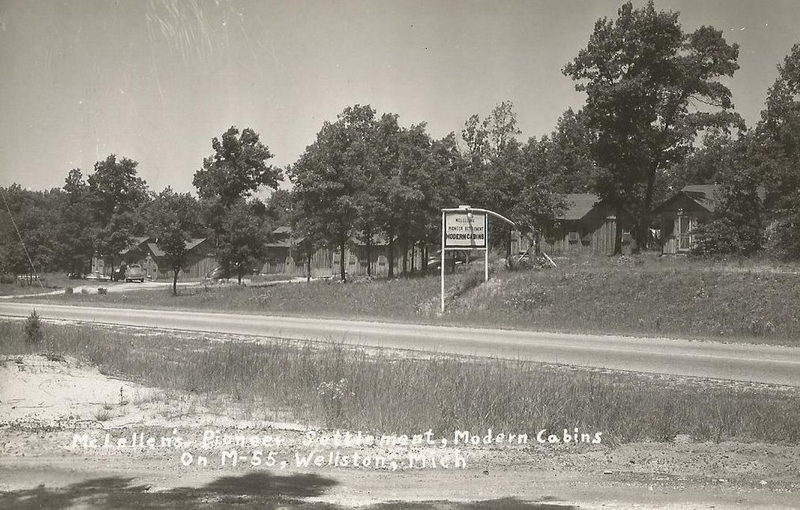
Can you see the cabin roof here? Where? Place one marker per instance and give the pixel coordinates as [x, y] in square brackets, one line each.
[578, 205]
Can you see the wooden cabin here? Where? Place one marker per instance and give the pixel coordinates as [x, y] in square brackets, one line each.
[680, 214]
[587, 225]
[200, 259]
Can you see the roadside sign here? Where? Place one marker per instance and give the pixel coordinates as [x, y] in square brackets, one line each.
[463, 229]
[467, 228]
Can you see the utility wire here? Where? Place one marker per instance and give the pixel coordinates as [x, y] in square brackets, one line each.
[20, 238]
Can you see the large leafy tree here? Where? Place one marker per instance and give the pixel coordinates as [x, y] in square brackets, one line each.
[115, 192]
[331, 176]
[650, 88]
[777, 145]
[77, 226]
[174, 219]
[28, 227]
[114, 187]
[237, 168]
[737, 224]
[564, 157]
[512, 179]
[243, 238]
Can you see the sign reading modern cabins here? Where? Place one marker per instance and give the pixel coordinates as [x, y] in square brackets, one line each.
[464, 230]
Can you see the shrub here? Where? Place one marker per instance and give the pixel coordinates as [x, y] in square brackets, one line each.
[102, 291]
[68, 290]
[7, 278]
[33, 329]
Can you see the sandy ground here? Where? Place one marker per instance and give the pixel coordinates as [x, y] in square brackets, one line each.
[51, 410]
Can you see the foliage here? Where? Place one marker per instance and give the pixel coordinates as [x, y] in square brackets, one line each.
[174, 219]
[736, 226]
[115, 192]
[564, 157]
[648, 87]
[332, 176]
[777, 143]
[241, 243]
[34, 332]
[237, 168]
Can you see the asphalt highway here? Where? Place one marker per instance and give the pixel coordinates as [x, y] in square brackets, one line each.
[740, 362]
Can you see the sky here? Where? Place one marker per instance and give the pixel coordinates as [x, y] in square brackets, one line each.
[156, 80]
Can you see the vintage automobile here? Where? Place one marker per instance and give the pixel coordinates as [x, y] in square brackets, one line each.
[134, 272]
[453, 258]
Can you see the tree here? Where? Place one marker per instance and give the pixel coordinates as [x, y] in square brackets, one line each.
[77, 228]
[331, 175]
[777, 149]
[242, 242]
[736, 226]
[650, 88]
[280, 207]
[114, 187]
[28, 228]
[237, 168]
[564, 158]
[174, 220]
[115, 192]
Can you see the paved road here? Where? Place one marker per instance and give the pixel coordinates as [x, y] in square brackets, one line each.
[742, 362]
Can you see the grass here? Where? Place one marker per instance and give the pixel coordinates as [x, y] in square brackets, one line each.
[730, 300]
[47, 282]
[343, 387]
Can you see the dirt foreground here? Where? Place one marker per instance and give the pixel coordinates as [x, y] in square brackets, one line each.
[73, 437]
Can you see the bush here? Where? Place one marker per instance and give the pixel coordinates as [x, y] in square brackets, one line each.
[68, 290]
[102, 291]
[7, 278]
[33, 329]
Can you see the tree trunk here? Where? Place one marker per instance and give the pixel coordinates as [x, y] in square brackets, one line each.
[175, 281]
[404, 247]
[413, 256]
[369, 255]
[642, 225]
[618, 232]
[390, 255]
[342, 271]
[425, 259]
[308, 266]
[239, 275]
[508, 245]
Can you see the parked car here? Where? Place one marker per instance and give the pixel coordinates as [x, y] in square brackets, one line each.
[452, 258]
[134, 272]
[218, 273]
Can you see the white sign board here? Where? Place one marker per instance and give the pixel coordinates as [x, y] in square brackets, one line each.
[463, 231]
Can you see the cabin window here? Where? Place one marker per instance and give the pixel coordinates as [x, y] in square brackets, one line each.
[574, 237]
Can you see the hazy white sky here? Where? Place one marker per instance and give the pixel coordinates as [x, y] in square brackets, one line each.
[156, 80]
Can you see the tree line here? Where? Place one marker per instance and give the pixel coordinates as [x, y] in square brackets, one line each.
[657, 116]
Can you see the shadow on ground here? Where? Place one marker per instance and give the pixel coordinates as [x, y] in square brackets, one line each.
[254, 490]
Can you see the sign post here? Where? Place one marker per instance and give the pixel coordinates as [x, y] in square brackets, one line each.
[467, 228]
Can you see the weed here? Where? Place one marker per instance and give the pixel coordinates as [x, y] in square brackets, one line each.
[34, 332]
[102, 415]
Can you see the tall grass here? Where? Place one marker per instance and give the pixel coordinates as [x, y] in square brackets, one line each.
[343, 387]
